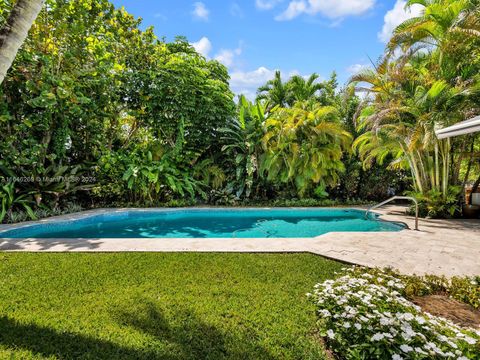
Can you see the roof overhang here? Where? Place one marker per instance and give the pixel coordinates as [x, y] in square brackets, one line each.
[461, 128]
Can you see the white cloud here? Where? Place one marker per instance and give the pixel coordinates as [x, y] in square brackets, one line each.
[328, 8]
[200, 11]
[203, 46]
[396, 16]
[247, 79]
[294, 9]
[247, 82]
[266, 4]
[356, 68]
[227, 56]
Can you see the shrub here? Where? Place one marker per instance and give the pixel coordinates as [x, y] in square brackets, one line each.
[365, 316]
[435, 204]
[41, 213]
[464, 289]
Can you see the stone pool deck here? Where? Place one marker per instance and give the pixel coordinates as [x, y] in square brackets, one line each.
[443, 247]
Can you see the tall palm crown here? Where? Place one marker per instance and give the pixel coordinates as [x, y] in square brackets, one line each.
[275, 92]
[440, 22]
[302, 89]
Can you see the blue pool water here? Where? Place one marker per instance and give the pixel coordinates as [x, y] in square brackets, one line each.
[206, 223]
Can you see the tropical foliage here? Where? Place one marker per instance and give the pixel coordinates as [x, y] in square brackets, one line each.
[242, 140]
[304, 145]
[427, 80]
[98, 111]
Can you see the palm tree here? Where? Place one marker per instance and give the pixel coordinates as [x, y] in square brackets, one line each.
[302, 89]
[15, 31]
[275, 92]
[440, 23]
[420, 91]
[409, 103]
[304, 146]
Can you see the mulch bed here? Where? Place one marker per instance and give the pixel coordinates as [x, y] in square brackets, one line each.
[441, 305]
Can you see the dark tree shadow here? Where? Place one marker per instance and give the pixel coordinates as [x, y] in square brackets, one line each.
[192, 339]
[47, 342]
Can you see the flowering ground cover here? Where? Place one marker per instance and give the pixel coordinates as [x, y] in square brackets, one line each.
[365, 314]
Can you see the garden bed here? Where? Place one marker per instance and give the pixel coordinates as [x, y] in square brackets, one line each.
[368, 313]
[451, 309]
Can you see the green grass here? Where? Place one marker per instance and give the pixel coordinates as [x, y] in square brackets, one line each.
[159, 306]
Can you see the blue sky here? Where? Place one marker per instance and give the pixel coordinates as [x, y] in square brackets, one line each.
[253, 38]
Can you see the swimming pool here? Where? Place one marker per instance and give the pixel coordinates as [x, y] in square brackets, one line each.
[205, 223]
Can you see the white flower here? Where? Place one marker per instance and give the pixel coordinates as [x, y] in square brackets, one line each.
[452, 344]
[385, 321]
[324, 313]
[377, 337]
[420, 351]
[420, 319]
[408, 316]
[396, 357]
[358, 304]
[363, 318]
[470, 340]
[406, 348]
[407, 335]
[442, 338]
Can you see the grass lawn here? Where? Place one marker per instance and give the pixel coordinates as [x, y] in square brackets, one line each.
[159, 306]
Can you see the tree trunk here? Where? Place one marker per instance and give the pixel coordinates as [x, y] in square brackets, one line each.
[467, 173]
[15, 31]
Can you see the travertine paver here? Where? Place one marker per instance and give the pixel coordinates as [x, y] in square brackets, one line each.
[446, 247]
[449, 247]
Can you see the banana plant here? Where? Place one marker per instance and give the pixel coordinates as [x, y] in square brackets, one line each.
[243, 143]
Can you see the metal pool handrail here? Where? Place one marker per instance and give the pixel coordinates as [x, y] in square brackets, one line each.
[397, 198]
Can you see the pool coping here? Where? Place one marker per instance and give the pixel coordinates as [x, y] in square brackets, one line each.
[441, 247]
[260, 245]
